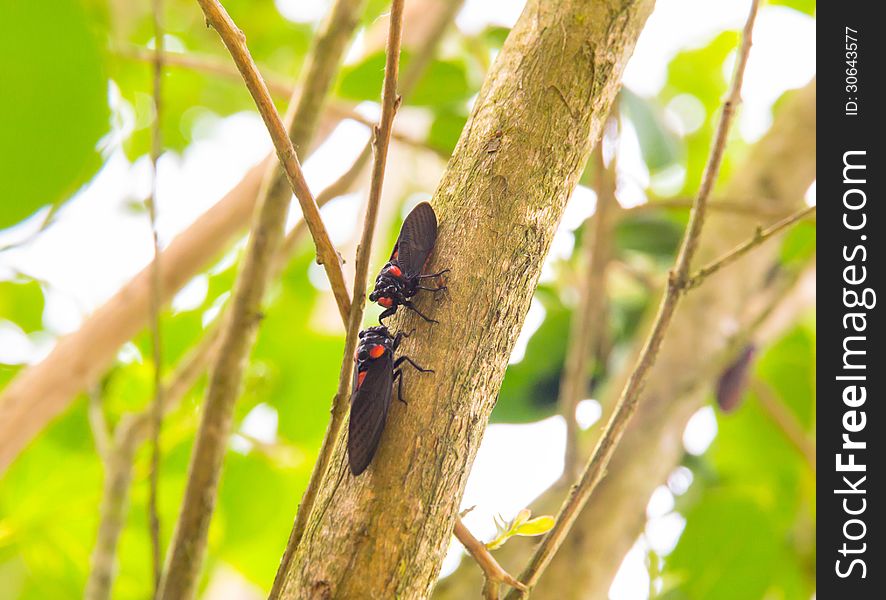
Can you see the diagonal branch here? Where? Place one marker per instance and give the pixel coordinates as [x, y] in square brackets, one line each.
[627, 402]
[493, 572]
[586, 326]
[760, 236]
[156, 299]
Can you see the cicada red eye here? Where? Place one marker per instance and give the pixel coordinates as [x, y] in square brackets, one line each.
[386, 302]
[395, 271]
[376, 351]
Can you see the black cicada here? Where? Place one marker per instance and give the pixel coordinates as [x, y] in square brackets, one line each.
[374, 377]
[401, 277]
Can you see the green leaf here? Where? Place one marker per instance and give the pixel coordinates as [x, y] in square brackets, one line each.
[22, 303]
[54, 107]
[658, 144]
[536, 526]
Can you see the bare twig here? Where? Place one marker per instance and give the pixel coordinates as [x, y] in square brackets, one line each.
[587, 319]
[99, 425]
[760, 236]
[283, 87]
[381, 139]
[493, 572]
[757, 209]
[156, 295]
[627, 402]
[785, 421]
[278, 85]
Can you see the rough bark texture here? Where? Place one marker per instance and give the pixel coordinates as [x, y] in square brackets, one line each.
[383, 535]
[780, 167]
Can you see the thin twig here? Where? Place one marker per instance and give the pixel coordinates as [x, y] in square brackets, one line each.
[785, 421]
[235, 41]
[757, 209]
[156, 296]
[381, 139]
[627, 402]
[587, 319]
[760, 236]
[492, 571]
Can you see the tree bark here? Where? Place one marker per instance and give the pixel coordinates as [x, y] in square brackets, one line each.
[384, 534]
[780, 167]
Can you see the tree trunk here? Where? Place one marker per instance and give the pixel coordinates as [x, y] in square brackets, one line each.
[778, 171]
[384, 534]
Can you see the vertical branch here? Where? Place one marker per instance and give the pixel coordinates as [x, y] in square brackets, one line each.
[112, 515]
[156, 296]
[627, 402]
[587, 323]
[380, 140]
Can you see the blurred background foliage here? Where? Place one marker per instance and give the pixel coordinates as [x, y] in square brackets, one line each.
[81, 92]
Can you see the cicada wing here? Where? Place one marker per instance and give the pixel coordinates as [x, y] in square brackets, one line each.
[369, 411]
[417, 238]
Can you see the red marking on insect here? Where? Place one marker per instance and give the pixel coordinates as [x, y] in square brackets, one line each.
[360, 377]
[395, 271]
[396, 252]
[386, 302]
[376, 351]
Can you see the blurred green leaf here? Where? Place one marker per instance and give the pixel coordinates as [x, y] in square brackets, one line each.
[54, 107]
[659, 145]
[531, 386]
[21, 302]
[653, 234]
[446, 129]
[799, 244]
[727, 550]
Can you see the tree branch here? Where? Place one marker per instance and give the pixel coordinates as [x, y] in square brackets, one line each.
[757, 209]
[627, 402]
[492, 571]
[760, 236]
[156, 295]
[587, 319]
